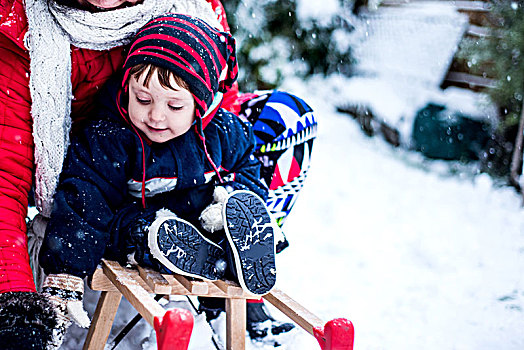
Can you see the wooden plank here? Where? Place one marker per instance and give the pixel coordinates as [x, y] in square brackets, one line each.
[299, 314]
[235, 324]
[179, 289]
[194, 287]
[129, 286]
[176, 287]
[155, 281]
[102, 320]
[215, 292]
[100, 282]
[230, 288]
[464, 5]
[478, 31]
[470, 79]
[472, 6]
[516, 159]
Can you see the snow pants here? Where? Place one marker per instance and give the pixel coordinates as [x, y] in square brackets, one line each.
[284, 128]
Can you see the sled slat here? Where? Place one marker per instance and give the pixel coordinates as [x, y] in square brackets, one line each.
[155, 281]
[216, 292]
[235, 324]
[229, 288]
[194, 287]
[100, 282]
[176, 286]
[299, 314]
[132, 291]
[103, 319]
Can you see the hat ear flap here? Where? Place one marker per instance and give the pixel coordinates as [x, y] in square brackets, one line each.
[231, 62]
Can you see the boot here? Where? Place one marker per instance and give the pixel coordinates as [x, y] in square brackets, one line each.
[249, 232]
[260, 324]
[211, 307]
[181, 248]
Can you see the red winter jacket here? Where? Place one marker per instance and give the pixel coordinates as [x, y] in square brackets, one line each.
[90, 69]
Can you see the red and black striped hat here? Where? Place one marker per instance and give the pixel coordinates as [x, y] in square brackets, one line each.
[192, 50]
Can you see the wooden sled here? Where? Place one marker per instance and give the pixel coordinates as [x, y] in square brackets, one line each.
[173, 327]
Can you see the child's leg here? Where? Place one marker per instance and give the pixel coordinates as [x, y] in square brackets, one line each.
[178, 246]
[284, 128]
[257, 324]
[258, 316]
[251, 250]
[251, 257]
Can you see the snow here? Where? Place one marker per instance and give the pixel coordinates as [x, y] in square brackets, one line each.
[416, 255]
[320, 11]
[417, 259]
[387, 102]
[397, 107]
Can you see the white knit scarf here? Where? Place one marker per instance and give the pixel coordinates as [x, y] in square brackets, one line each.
[52, 29]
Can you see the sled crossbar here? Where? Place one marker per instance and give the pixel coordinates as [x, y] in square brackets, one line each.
[173, 327]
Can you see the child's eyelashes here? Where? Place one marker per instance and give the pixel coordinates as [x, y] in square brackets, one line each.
[143, 101]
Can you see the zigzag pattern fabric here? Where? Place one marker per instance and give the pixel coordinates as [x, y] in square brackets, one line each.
[285, 128]
[202, 56]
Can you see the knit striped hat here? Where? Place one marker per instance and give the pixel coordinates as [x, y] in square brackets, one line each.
[194, 51]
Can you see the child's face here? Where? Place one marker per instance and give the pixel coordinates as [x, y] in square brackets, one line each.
[160, 113]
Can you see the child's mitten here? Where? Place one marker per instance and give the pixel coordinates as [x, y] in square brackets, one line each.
[66, 293]
[211, 217]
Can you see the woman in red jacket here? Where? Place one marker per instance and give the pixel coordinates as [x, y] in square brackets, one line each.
[54, 56]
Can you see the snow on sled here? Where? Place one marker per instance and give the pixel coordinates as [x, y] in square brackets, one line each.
[173, 327]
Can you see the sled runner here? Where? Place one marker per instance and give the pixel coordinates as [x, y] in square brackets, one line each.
[173, 327]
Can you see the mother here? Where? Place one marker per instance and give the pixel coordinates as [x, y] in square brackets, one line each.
[54, 55]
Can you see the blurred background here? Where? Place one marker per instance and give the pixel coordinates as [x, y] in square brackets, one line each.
[444, 78]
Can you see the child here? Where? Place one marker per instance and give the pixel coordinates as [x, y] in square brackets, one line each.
[161, 167]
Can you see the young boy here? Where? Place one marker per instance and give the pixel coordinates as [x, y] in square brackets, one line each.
[161, 167]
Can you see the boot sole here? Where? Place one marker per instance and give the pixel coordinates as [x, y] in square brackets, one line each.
[180, 247]
[250, 233]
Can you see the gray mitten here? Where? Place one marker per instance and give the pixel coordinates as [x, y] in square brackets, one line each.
[211, 217]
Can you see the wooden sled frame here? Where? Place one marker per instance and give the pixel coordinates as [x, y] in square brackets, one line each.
[173, 327]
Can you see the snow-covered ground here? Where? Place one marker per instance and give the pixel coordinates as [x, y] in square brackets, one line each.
[415, 255]
[415, 258]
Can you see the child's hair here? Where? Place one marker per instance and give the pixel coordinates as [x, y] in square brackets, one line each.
[199, 54]
[191, 50]
[164, 75]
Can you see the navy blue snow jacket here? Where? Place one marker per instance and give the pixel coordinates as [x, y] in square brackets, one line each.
[99, 194]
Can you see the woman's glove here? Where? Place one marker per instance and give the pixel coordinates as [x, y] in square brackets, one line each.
[27, 320]
[66, 293]
[211, 217]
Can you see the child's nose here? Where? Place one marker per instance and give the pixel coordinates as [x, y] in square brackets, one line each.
[157, 114]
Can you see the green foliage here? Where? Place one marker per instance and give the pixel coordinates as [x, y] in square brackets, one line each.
[273, 42]
[499, 56]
